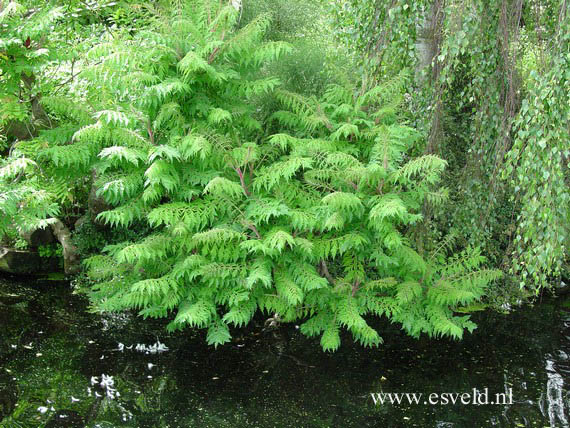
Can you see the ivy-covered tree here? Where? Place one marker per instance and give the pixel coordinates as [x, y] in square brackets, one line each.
[490, 97]
[538, 166]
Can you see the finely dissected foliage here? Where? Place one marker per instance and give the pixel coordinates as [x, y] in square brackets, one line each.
[40, 56]
[26, 201]
[306, 224]
[309, 224]
[23, 52]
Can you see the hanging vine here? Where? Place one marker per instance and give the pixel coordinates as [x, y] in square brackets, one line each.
[489, 76]
[537, 166]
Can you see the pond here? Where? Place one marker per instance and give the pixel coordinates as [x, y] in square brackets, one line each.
[61, 366]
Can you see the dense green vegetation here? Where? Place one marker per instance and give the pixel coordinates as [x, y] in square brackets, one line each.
[492, 98]
[316, 162]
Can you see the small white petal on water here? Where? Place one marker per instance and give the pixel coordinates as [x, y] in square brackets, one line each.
[107, 381]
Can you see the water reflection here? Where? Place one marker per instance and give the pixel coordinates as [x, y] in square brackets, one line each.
[83, 370]
[555, 396]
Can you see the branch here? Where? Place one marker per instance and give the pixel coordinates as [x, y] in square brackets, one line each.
[242, 181]
[62, 84]
[325, 272]
[150, 133]
[379, 188]
[254, 229]
[355, 287]
[326, 120]
[70, 252]
[73, 76]
[216, 50]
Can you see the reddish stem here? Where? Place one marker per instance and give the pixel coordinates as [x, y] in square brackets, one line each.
[252, 227]
[242, 181]
[355, 287]
[150, 133]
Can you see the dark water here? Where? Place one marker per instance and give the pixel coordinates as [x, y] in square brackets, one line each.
[63, 367]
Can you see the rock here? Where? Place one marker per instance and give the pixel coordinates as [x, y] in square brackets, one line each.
[9, 299]
[21, 262]
[563, 289]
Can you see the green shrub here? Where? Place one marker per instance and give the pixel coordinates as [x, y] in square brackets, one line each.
[307, 224]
